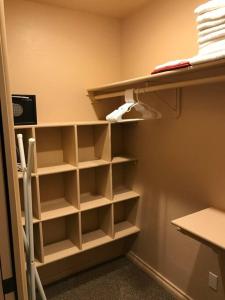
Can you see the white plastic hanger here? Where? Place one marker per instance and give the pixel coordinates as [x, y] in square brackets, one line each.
[130, 102]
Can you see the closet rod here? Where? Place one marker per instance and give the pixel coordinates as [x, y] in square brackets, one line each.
[165, 86]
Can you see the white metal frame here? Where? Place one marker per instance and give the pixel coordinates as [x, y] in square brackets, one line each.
[28, 235]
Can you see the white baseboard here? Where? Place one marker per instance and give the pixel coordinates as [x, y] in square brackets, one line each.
[162, 281]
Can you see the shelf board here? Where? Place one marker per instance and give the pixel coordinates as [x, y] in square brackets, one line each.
[206, 225]
[89, 201]
[56, 208]
[20, 175]
[35, 220]
[94, 239]
[122, 159]
[125, 228]
[204, 73]
[55, 169]
[23, 126]
[97, 122]
[56, 251]
[128, 121]
[92, 163]
[65, 124]
[124, 194]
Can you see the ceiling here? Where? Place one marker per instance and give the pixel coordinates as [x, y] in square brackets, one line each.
[112, 8]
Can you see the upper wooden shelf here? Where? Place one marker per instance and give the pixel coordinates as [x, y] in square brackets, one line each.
[85, 123]
[207, 225]
[191, 76]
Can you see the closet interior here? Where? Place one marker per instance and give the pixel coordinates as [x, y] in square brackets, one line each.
[146, 182]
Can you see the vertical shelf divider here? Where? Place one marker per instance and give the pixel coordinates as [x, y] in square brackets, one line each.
[35, 151]
[38, 205]
[103, 143]
[80, 231]
[76, 145]
[112, 221]
[68, 134]
[39, 249]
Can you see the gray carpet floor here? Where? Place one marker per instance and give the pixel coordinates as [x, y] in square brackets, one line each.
[115, 280]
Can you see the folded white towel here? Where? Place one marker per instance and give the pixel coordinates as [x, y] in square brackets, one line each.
[213, 52]
[212, 15]
[210, 30]
[211, 47]
[210, 24]
[211, 37]
[209, 6]
[199, 59]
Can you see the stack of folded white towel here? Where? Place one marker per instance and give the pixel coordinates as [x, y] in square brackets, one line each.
[211, 36]
[211, 30]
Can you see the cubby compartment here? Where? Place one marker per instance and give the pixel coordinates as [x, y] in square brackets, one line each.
[125, 214]
[61, 237]
[121, 134]
[55, 149]
[96, 225]
[58, 194]
[35, 201]
[95, 187]
[123, 175]
[27, 134]
[93, 145]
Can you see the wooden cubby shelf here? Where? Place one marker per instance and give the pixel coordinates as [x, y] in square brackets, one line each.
[95, 188]
[93, 145]
[123, 175]
[56, 151]
[125, 213]
[96, 227]
[83, 176]
[58, 194]
[61, 237]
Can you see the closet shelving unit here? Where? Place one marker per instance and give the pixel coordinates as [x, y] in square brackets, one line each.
[83, 187]
[201, 74]
[205, 225]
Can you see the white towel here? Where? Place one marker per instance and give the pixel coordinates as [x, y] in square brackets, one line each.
[212, 15]
[211, 47]
[210, 30]
[199, 59]
[212, 37]
[210, 24]
[212, 52]
[209, 6]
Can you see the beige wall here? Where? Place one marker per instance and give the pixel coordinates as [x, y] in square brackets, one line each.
[181, 168]
[57, 53]
[164, 30]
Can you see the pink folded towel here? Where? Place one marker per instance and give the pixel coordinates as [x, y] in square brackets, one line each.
[170, 66]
